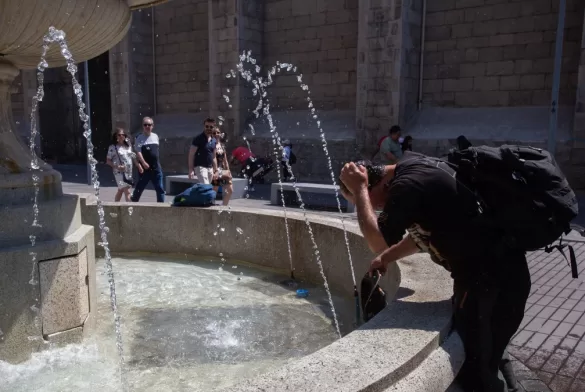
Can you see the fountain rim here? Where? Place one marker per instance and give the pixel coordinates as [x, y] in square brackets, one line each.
[407, 343]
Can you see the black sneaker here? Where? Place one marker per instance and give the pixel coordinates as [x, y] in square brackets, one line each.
[373, 297]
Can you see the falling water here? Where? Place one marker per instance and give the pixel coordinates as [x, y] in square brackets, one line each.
[260, 88]
[246, 75]
[58, 36]
[35, 178]
[288, 67]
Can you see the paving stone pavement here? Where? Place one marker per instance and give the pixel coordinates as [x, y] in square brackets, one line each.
[550, 340]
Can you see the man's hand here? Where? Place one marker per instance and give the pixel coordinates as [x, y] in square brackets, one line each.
[140, 169]
[121, 168]
[191, 174]
[215, 176]
[145, 166]
[378, 264]
[354, 177]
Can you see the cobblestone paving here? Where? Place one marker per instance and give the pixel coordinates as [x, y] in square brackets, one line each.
[550, 340]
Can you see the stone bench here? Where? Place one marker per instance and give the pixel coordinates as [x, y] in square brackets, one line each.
[314, 195]
[178, 183]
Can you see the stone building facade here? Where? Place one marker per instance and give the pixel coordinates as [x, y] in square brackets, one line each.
[487, 72]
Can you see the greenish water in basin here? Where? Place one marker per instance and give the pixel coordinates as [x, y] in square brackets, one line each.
[195, 325]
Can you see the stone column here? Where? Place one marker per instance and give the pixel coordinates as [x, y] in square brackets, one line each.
[131, 76]
[378, 70]
[577, 172]
[235, 26]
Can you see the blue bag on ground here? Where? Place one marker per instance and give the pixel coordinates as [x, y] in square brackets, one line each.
[199, 195]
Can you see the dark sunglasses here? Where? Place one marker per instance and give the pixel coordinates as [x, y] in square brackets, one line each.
[121, 134]
[209, 127]
[147, 125]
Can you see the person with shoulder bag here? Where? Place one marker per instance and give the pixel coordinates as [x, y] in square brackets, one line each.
[121, 158]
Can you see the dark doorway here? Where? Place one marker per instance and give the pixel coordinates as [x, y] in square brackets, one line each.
[100, 102]
[62, 139]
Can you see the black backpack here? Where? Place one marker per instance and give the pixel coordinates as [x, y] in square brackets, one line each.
[521, 191]
[293, 158]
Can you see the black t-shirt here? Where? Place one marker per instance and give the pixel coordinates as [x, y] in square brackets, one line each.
[426, 200]
[205, 150]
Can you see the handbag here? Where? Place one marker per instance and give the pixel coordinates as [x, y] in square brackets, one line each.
[124, 178]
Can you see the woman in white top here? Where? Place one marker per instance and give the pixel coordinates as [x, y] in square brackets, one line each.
[120, 157]
[224, 177]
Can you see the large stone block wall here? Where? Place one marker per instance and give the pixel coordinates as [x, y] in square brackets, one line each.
[379, 70]
[131, 74]
[410, 63]
[578, 145]
[182, 60]
[498, 52]
[141, 79]
[320, 38]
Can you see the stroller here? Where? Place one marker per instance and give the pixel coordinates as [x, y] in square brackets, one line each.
[256, 169]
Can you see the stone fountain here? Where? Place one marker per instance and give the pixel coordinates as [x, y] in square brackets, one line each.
[47, 282]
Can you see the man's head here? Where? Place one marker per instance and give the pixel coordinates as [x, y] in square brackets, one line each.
[378, 178]
[147, 125]
[209, 126]
[395, 132]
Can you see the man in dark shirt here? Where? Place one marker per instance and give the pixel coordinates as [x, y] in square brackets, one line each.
[146, 145]
[202, 159]
[422, 198]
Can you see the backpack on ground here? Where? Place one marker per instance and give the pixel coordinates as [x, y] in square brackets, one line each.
[199, 195]
[520, 191]
[373, 297]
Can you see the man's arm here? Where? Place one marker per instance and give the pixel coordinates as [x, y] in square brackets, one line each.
[391, 157]
[369, 222]
[214, 161]
[406, 247]
[192, 152]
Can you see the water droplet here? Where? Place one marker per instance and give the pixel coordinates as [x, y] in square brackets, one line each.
[221, 255]
[130, 210]
[113, 215]
[215, 233]
[239, 230]
[234, 266]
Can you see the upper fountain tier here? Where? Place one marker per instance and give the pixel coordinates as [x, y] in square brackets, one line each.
[92, 27]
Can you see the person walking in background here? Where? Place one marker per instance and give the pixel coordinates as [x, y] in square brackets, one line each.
[384, 149]
[147, 151]
[224, 177]
[391, 149]
[120, 158]
[288, 159]
[202, 160]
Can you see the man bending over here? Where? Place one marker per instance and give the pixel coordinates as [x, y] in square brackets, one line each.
[420, 197]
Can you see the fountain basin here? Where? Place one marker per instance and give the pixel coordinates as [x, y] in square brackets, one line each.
[407, 347]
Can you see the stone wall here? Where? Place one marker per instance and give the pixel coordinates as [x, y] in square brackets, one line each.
[131, 74]
[320, 37]
[379, 67]
[182, 61]
[578, 151]
[410, 63]
[498, 52]
[141, 77]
